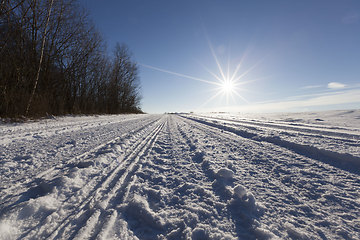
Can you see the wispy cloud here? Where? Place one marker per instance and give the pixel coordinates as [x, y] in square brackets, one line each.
[312, 86]
[316, 101]
[331, 85]
[336, 85]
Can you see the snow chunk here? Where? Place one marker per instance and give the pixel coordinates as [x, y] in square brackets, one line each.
[138, 209]
[74, 181]
[239, 191]
[38, 207]
[244, 197]
[225, 173]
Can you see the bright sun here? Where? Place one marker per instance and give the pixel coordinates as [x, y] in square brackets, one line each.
[227, 82]
[227, 86]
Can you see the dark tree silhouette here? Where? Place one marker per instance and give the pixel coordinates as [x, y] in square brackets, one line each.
[53, 61]
[124, 84]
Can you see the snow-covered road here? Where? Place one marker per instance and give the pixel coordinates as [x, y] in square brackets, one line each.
[179, 177]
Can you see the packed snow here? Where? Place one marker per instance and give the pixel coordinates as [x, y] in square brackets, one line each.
[188, 176]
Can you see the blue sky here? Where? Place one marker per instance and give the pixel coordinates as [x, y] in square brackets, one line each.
[295, 55]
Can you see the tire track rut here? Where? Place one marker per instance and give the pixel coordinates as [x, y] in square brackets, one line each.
[343, 161]
[97, 204]
[11, 200]
[298, 189]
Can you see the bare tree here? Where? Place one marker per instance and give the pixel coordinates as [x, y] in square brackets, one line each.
[124, 84]
[41, 57]
[53, 61]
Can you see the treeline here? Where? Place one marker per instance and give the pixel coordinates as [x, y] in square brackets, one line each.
[53, 61]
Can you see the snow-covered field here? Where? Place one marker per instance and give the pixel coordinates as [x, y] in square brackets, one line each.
[198, 176]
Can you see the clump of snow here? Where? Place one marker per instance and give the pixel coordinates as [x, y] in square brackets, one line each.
[138, 209]
[251, 199]
[239, 191]
[206, 165]
[225, 173]
[73, 181]
[223, 179]
[39, 206]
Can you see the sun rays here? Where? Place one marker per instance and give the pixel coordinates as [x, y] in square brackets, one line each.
[227, 84]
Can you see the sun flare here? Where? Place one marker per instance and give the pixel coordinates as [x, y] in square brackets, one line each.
[228, 86]
[228, 82]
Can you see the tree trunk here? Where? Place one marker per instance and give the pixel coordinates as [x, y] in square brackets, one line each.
[41, 59]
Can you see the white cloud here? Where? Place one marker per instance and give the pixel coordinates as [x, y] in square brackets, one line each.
[316, 101]
[336, 85]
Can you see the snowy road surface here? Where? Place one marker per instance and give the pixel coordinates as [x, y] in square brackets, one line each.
[180, 177]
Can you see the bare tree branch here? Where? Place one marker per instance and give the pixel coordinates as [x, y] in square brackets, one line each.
[41, 59]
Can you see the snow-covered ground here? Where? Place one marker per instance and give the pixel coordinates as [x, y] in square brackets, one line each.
[196, 176]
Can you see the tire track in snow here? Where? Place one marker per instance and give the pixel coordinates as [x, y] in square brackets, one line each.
[120, 191]
[343, 161]
[91, 187]
[177, 181]
[155, 176]
[179, 192]
[310, 198]
[23, 132]
[97, 204]
[337, 132]
[243, 215]
[62, 168]
[45, 153]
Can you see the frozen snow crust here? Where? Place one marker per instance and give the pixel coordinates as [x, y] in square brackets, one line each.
[181, 177]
